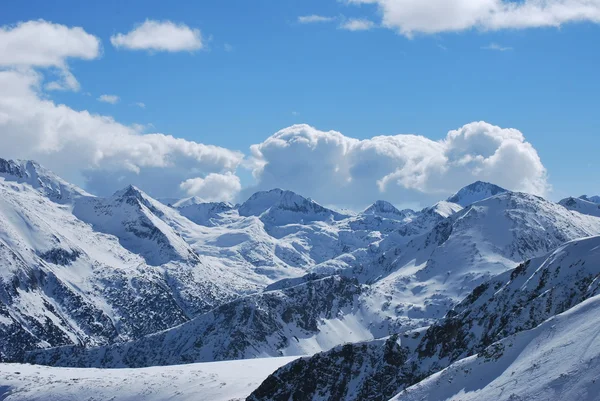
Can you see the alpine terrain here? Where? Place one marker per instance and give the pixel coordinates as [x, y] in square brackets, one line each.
[292, 300]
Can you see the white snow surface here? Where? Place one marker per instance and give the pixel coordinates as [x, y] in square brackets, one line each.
[558, 360]
[582, 206]
[475, 192]
[215, 381]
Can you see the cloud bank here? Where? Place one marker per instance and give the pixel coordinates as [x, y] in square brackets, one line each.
[410, 17]
[338, 170]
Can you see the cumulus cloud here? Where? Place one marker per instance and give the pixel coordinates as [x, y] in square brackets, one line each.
[159, 36]
[311, 19]
[434, 16]
[213, 187]
[141, 105]
[42, 44]
[339, 170]
[355, 24]
[112, 99]
[96, 151]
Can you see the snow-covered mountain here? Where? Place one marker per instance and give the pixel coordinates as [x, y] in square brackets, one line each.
[386, 210]
[281, 207]
[41, 179]
[593, 199]
[128, 281]
[298, 320]
[582, 206]
[62, 281]
[475, 192]
[518, 300]
[558, 360]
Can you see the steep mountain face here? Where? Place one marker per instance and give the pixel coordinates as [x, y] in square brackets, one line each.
[364, 371]
[386, 210]
[41, 179]
[298, 320]
[137, 220]
[475, 192]
[281, 207]
[515, 301]
[582, 206]
[62, 282]
[558, 360]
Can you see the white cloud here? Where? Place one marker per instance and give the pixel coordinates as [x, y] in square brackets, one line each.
[159, 36]
[335, 169]
[311, 19]
[96, 150]
[434, 16]
[214, 187]
[354, 24]
[228, 48]
[112, 99]
[497, 47]
[42, 44]
[141, 105]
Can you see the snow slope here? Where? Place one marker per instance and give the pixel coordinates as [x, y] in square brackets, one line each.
[557, 360]
[593, 199]
[62, 282]
[41, 179]
[582, 206]
[217, 381]
[299, 320]
[510, 303]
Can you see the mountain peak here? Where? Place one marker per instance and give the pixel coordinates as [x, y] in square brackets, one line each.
[475, 192]
[45, 181]
[582, 205]
[285, 207]
[386, 209]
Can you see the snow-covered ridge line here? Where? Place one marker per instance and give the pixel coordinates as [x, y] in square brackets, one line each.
[510, 303]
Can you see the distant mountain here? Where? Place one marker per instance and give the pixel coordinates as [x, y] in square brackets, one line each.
[475, 192]
[582, 206]
[387, 210]
[208, 214]
[594, 199]
[281, 207]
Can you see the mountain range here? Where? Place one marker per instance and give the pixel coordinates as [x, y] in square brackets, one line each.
[379, 303]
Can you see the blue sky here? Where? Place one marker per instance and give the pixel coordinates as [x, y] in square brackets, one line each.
[261, 70]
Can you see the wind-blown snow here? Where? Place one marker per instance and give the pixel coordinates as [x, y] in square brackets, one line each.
[216, 381]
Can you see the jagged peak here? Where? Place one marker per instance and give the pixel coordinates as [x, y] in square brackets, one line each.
[386, 209]
[40, 178]
[475, 192]
[263, 200]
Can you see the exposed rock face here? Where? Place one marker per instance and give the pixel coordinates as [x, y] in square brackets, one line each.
[513, 302]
